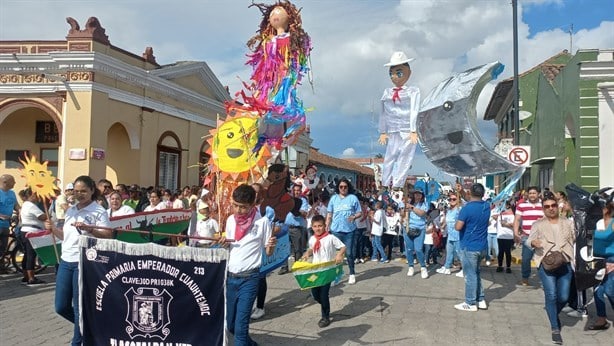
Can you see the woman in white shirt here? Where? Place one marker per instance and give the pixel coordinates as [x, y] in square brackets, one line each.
[81, 219]
[32, 218]
[505, 238]
[155, 202]
[115, 206]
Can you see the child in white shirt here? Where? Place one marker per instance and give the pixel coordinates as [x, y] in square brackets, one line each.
[207, 227]
[324, 247]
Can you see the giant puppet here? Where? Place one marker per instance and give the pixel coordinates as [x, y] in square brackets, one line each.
[397, 122]
[271, 115]
[279, 59]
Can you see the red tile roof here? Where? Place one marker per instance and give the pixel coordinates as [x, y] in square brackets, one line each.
[317, 157]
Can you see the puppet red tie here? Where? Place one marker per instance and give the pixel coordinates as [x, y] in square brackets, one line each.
[395, 95]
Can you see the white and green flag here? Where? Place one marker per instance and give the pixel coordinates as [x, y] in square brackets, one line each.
[309, 275]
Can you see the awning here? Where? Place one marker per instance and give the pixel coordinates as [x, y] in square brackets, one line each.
[544, 160]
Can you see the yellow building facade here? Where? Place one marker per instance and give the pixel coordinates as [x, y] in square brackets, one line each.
[88, 107]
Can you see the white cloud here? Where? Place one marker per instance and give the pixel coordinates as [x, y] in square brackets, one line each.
[348, 152]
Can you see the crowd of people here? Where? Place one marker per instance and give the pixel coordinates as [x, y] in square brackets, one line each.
[461, 231]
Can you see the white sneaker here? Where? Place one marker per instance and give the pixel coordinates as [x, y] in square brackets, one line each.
[444, 270]
[410, 271]
[466, 307]
[482, 305]
[257, 313]
[424, 273]
[460, 274]
[488, 263]
[352, 279]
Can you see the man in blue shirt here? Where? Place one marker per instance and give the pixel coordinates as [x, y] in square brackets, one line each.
[8, 204]
[343, 210]
[472, 223]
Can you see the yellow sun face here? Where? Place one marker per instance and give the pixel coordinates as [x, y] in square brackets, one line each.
[39, 178]
[231, 146]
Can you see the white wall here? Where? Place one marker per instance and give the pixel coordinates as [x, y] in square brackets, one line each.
[606, 129]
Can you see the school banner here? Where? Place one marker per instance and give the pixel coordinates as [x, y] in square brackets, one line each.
[168, 221]
[148, 294]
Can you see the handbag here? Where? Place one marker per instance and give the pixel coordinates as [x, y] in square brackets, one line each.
[413, 232]
[553, 260]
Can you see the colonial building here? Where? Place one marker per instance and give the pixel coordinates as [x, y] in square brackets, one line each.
[88, 107]
[567, 120]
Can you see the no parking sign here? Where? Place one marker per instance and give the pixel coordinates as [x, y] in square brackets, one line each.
[520, 155]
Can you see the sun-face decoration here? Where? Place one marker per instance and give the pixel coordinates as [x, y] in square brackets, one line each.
[39, 178]
[231, 144]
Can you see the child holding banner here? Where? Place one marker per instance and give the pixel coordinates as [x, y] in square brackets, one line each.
[324, 247]
[251, 233]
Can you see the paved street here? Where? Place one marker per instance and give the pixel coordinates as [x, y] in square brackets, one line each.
[385, 307]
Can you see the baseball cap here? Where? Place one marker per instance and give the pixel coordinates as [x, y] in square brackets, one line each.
[69, 186]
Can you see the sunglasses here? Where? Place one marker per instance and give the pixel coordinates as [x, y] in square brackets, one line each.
[550, 206]
[454, 199]
[343, 186]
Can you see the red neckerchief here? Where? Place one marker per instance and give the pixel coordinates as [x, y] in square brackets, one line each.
[244, 223]
[395, 95]
[316, 246]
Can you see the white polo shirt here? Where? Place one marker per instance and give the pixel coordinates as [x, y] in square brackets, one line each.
[246, 254]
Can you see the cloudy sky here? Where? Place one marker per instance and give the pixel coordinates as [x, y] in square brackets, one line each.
[352, 40]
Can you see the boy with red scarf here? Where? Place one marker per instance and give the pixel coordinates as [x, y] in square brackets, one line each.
[324, 247]
[251, 233]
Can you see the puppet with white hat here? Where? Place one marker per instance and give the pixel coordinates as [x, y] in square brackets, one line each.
[397, 122]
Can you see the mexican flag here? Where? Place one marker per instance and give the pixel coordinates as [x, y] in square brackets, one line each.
[42, 242]
[309, 275]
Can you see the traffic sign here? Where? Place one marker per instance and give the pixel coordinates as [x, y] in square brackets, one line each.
[520, 155]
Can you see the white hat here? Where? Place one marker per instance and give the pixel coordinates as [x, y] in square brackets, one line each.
[204, 192]
[201, 205]
[69, 186]
[398, 58]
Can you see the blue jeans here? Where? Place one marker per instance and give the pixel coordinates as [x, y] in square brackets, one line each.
[452, 251]
[556, 292]
[67, 296]
[493, 247]
[240, 296]
[474, 291]
[417, 245]
[378, 248]
[605, 289]
[527, 256]
[349, 240]
[320, 294]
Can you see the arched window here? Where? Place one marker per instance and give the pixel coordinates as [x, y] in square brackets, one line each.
[169, 161]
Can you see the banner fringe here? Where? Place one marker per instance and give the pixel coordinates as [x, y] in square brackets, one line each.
[183, 253]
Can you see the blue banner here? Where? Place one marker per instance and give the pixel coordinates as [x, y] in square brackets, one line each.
[279, 256]
[148, 294]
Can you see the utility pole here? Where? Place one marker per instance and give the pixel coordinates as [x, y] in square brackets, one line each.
[571, 38]
[516, 113]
